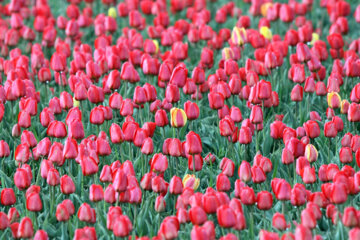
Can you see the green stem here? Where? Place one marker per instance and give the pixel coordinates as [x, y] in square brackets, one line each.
[252, 235]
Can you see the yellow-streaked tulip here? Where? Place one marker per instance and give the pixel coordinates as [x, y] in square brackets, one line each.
[178, 117]
[311, 153]
[344, 106]
[334, 100]
[191, 181]
[227, 53]
[238, 36]
[156, 43]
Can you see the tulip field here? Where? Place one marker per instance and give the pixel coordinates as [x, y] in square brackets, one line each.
[180, 119]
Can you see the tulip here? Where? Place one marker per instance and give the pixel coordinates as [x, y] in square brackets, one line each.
[264, 200]
[25, 229]
[226, 216]
[279, 222]
[334, 100]
[122, 226]
[8, 197]
[190, 181]
[312, 129]
[160, 204]
[197, 215]
[178, 117]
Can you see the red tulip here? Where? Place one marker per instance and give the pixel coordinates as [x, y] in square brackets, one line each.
[25, 229]
[279, 221]
[264, 200]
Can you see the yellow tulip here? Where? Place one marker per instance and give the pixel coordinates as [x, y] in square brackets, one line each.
[314, 38]
[191, 181]
[238, 36]
[112, 12]
[156, 43]
[76, 103]
[266, 32]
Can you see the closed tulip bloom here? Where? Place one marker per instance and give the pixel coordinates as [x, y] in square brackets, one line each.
[287, 156]
[169, 228]
[302, 232]
[67, 185]
[193, 144]
[197, 215]
[350, 218]
[176, 185]
[335, 40]
[353, 114]
[311, 153]
[85, 213]
[88, 166]
[277, 129]
[190, 181]
[330, 130]
[308, 175]
[216, 100]
[354, 233]
[192, 110]
[303, 52]
[160, 204]
[27, 137]
[244, 171]
[178, 117]
[345, 155]
[334, 100]
[22, 180]
[297, 93]
[223, 183]
[96, 193]
[53, 177]
[256, 115]
[281, 188]
[210, 203]
[8, 197]
[140, 95]
[279, 222]
[226, 216]
[22, 153]
[147, 147]
[161, 118]
[33, 202]
[245, 135]
[308, 218]
[338, 194]
[62, 213]
[298, 195]
[312, 129]
[264, 200]
[226, 126]
[159, 163]
[258, 174]
[172, 93]
[25, 229]
[120, 180]
[178, 76]
[247, 196]
[4, 221]
[195, 160]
